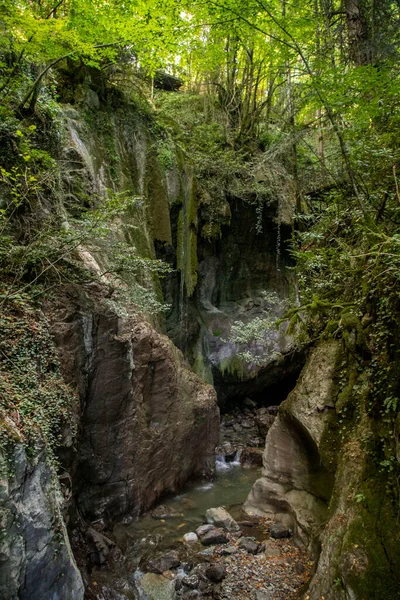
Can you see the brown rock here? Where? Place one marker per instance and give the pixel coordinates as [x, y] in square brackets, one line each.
[142, 407]
[252, 456]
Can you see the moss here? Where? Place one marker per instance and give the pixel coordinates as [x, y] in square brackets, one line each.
[211, 231]
[202, 369]
[187, 261]
[233, 366]
[371, 547]
[158, 202]
[330, 444]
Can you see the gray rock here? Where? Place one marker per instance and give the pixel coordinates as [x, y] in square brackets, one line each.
[228, 550]
[190, 538]
[191, 581]
[216, 573]
[207, 552]
[248, 544]
[167, 561]
[36, 561]
[214, 536]
[157, 587]
[203, 529]
[100, 546]
[280, 531]
[221, 518]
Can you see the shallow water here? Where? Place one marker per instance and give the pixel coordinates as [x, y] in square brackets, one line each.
[229, 488]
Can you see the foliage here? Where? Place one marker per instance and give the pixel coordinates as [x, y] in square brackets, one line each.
[34, 399]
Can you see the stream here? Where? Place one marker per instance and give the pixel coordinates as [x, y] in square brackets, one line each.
[230, 488]
[268, 569]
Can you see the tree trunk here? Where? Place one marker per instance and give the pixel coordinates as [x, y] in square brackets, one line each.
[357, 31]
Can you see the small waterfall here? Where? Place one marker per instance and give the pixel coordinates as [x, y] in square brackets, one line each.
[222, 464]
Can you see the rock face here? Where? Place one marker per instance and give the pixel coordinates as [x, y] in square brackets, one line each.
[234, 271]
[36, 561]
[295, 486]
[148, 423]
[321, 481]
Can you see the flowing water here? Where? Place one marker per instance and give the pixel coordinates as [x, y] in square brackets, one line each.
[230, 488]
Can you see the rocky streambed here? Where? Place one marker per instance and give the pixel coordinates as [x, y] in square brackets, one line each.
[190, 546]
[223, 558]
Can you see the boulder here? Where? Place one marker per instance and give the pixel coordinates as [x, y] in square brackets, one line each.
[216, 573]
[213, 536]
[252, 457]
[157, 587]
[280, 531]
[164, 562]
[221, 518]
[249, 545]
[36, 559]
[143, 407]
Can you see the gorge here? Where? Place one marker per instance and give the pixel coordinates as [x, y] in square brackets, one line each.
[199, 305]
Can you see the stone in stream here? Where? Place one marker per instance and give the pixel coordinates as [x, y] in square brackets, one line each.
[249, 544]
[216, 573]
[221, 518]
[212, 535]
[190, 538]
[280, 531]
[203, 529]
[165, 512]
[157, 587]
[167, 561]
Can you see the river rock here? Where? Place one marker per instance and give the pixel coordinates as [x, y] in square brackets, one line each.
[165, 512]
[203, 529]
[167, 561]
[216, 573]
[280, 531]
[249, 545]
[157, 587]
[190, 538]
[191, 581]
[214, 535]
[227, 450]
[221, 518]
[228, 550]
